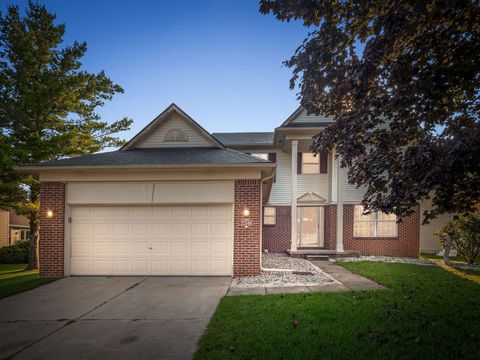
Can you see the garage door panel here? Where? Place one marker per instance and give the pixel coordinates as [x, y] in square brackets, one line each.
[158, 240]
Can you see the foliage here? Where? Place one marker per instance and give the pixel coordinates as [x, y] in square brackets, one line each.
[15, 254]
[401, 79]
[464, 231]
[47, 106]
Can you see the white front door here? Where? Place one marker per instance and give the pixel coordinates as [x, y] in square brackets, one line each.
[152, 240]
[310, 225]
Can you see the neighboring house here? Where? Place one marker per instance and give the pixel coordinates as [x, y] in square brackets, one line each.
[13, 228]
[177, 200]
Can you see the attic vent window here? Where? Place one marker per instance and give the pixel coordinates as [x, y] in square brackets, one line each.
[175, 135]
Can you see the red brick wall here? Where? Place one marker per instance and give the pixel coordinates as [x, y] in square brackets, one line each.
[52, 230]
[246, 247]
[276, 238]
[330, 227]
[406, 244]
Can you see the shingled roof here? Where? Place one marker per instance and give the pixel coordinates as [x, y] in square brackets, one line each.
[158, 156]
[245, 138]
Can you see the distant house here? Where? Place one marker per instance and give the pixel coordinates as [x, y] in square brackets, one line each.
[13, 228]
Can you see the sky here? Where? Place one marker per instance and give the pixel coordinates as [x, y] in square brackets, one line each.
[220, 61]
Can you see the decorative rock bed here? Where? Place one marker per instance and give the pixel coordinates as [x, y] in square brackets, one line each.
[282, 270]
[389, 259]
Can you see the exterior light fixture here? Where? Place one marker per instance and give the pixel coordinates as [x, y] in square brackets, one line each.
[246, 222]
[49, 213]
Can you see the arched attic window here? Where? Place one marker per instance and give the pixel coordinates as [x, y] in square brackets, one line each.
[175, 135]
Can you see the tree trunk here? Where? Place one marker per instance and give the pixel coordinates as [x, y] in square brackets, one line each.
[33, 242]
[446, 249]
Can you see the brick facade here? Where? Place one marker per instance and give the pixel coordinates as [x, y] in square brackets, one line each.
[246, 247]
[330, 227]
[276, 238]
[406, 244]
[52, 230]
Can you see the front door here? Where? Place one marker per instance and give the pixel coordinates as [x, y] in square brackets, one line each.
[310, 226]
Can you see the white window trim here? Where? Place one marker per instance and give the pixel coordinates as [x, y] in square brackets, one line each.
[274, 216]
[375, 227]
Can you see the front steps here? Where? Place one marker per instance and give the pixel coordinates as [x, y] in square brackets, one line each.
[320, 254]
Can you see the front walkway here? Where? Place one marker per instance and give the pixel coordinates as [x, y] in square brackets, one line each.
[343, 280]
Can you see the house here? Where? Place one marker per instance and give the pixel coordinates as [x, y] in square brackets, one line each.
[13, 228]
[177, 200]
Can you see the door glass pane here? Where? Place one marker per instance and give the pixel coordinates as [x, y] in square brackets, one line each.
[309, 226]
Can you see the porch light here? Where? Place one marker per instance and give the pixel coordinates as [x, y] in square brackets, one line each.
[246, 213]
[49, 213]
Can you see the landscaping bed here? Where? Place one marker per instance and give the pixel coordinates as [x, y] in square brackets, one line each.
[387, 259]
[282, 270]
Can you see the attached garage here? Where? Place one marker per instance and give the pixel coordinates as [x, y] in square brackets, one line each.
[172, 201]
[152, 240]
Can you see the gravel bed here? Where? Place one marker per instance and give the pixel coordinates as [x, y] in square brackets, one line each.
[388, 259]
[297, 272]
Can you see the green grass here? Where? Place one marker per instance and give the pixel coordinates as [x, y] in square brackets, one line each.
[14, 279]
[452, 258]
[426, 313]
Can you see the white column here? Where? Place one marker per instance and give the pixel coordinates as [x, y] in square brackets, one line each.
[340, 177]
[293, 246]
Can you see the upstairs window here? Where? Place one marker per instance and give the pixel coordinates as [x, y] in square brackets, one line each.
[375, 224]
[310, 164]
[175, 135]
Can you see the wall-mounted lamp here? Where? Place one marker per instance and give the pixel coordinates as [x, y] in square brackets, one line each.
[49, 213]
[246, 221]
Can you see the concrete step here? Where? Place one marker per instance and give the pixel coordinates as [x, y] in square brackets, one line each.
[317, 257]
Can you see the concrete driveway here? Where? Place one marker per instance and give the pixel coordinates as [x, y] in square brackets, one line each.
[109, 317]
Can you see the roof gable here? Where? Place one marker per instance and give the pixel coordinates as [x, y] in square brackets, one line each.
[173, 128]
[300, 118]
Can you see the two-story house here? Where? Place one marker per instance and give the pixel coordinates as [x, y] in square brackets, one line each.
[177, 200]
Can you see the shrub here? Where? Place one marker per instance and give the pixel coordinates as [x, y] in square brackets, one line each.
[464, 230]
[15, 254]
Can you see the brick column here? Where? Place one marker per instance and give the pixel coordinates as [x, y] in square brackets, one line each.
[52, 229]
[246, 248]
[330, 226]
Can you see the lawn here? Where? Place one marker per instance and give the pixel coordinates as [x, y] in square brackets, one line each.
[426, 313]
[452, 258]
[14, 279]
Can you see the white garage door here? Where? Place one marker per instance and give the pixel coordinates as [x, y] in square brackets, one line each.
[151, 240]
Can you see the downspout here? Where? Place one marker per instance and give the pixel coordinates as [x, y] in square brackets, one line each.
[261, 224]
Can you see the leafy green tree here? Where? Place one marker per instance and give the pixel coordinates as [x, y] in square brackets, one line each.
[47, 106]
[402, 81]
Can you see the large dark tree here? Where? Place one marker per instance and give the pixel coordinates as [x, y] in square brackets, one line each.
[47, 106]
[401, 79]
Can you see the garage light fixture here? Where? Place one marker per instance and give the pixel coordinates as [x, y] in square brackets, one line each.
[49, 213]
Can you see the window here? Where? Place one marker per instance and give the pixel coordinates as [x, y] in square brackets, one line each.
[175, 135]
[310, 164]
[269, 216]
[375, 224]
[18, 234]
[263, 156]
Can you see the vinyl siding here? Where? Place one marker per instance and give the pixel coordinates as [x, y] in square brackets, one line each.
[281, 189]
[351, 194]
[4, 229]
[155, 138]
[428, 240]
[304, 118]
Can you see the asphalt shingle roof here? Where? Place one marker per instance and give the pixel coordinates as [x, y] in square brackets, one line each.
[159, 156]
[246, 138]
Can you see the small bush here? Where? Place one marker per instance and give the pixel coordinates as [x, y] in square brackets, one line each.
[464, 231]
[15, 254]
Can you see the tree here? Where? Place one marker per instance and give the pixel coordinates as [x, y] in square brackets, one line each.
[47, 106]
[401, 80]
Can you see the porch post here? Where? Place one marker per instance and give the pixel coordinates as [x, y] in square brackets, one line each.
[293, 246]
[340, 181]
